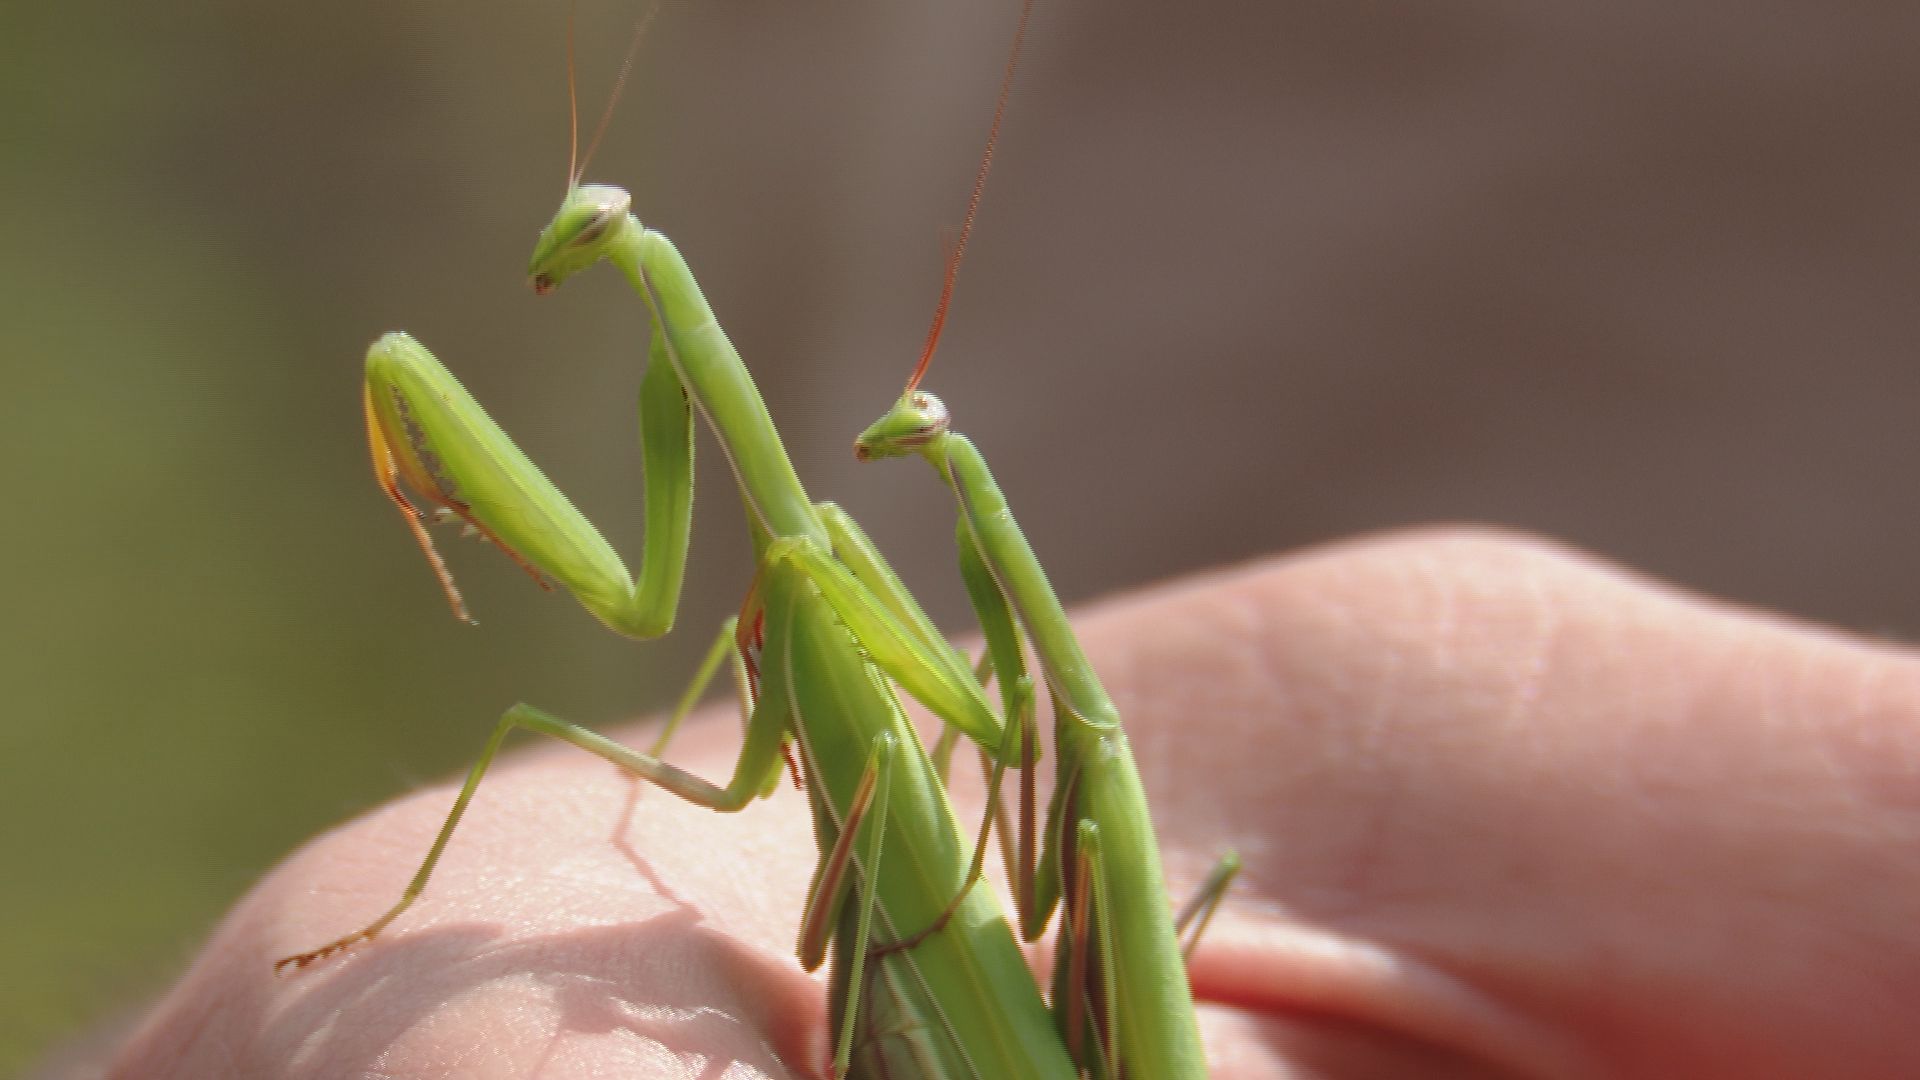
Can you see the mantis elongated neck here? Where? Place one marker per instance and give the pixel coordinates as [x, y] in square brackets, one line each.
[1021, 576]
[717, 380]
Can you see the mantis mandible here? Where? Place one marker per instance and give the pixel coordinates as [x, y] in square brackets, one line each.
[927, 979]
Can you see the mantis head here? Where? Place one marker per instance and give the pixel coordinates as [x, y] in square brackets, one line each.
[592, 220]
[917, 419]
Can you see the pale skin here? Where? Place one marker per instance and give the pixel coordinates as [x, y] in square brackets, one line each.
[1505, 812]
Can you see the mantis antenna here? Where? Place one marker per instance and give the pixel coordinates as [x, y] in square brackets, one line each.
[577, 166]
[959, 250]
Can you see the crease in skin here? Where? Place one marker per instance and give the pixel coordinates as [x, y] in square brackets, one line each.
[1533, 660]
[1871, 686]
[1370, 986]
[1442, 613]
[1253, 651]
[308, 1051]
[1876, 763]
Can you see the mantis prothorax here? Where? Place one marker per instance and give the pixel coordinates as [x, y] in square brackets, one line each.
[927, 978]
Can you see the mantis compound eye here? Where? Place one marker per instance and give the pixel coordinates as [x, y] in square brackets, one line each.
[596, 226]
[599, 207]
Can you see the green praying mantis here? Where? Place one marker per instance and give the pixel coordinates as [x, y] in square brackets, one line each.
[927, 979]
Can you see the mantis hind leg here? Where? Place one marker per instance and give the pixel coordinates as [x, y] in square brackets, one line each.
[721, 649]
[1194, 918]
[759, 760]
[1085, 994]
[1019, 728]
[419, 883]
[865, 817]
[1086, 1001]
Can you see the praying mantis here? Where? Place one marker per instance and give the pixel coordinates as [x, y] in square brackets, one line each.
[927, 979]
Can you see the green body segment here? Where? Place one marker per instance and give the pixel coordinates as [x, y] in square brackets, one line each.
[959, 1001]
[717, 380]
[1154, 1026]
[1131, 992]
[595, 222]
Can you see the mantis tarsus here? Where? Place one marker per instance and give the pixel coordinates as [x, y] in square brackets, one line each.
[927, 979]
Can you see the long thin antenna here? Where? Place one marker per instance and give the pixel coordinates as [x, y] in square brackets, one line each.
[973, 203]
[573, 106]
[619, 84]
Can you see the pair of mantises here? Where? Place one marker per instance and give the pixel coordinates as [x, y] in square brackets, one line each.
[927, 979]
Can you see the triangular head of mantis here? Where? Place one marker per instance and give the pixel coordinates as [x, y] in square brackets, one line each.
[592, 220]
[917, 419]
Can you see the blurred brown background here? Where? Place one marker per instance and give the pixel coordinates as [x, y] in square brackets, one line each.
[1249, 276]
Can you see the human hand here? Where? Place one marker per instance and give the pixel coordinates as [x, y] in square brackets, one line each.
[1505, 812]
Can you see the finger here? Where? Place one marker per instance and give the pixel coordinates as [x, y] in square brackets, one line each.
[1496, 796]
[561, 936]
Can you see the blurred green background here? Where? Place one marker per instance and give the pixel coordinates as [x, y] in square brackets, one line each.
[1247, 277]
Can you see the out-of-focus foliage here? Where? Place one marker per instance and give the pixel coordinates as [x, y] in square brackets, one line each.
[1247, 277]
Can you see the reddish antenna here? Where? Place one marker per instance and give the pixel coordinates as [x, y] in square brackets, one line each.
[576, 166]
[973, 203]
[573, 106]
